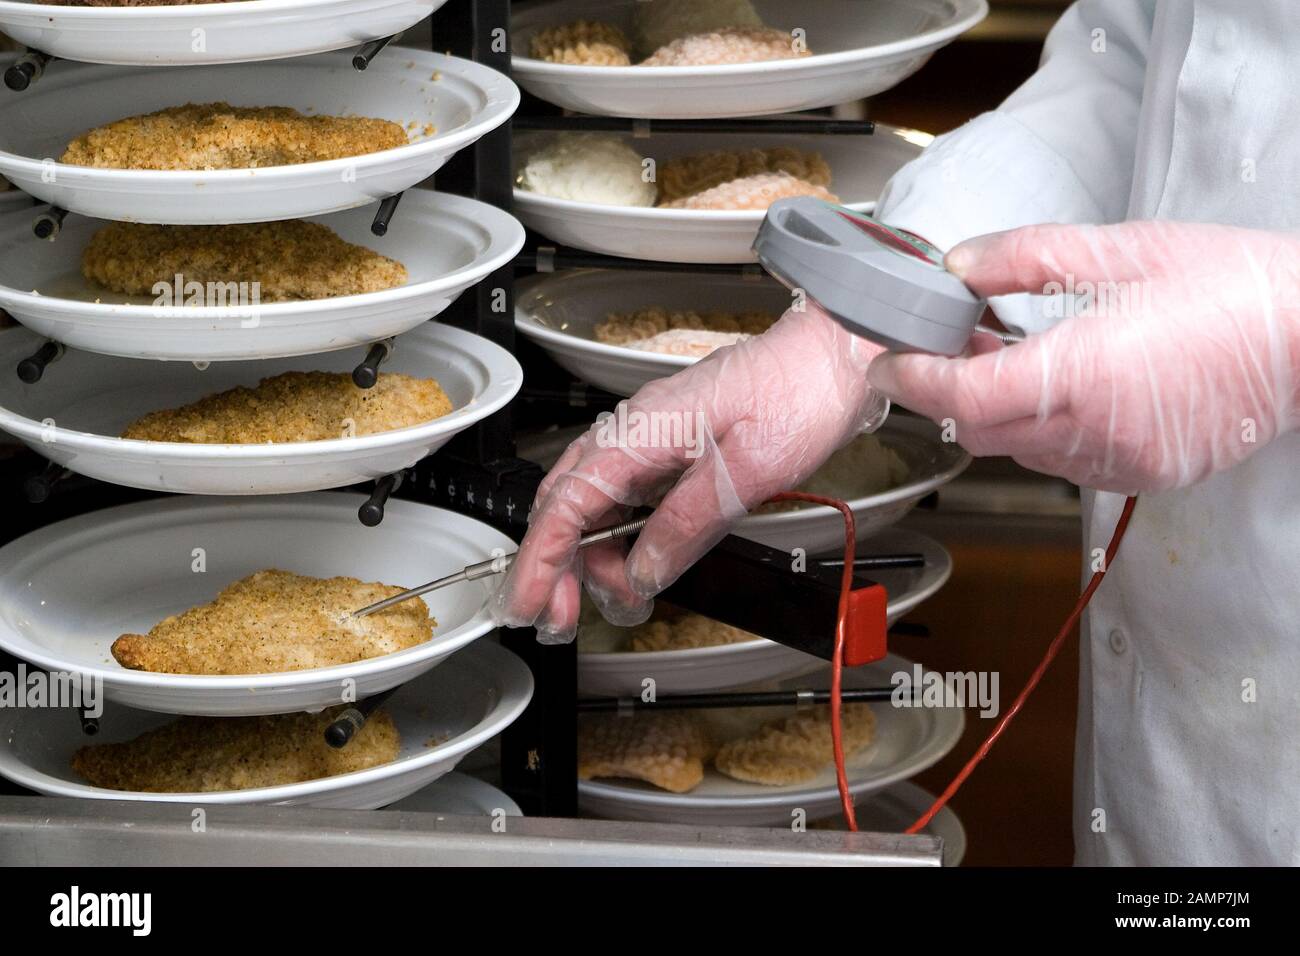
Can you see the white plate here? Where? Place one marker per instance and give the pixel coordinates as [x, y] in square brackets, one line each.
[559, 312]
[860, 167]
[896, 809]
[470, 699]
[465, 101]
[12, 200]
[860, 49]
[229, 32]
[931, 463]
[74, 413]
[447, 243]
[70, 589]
[907, 741]
[459, 794]
[702, 669]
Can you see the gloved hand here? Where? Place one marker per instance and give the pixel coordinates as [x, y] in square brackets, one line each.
[1185, 363]
[714, 440]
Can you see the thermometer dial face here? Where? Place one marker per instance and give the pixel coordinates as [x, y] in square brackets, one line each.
[898, 240]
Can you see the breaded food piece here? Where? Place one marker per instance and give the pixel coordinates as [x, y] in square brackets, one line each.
[693, 343]
[582, 43]
[221, 136]
[689, 175]
[668, 750]
[726, 46]
[658, 22]
[297, 406]
[210, 754]
[288, 260]
[752, 192]
[625, 328]
[275, 621]
[681, 630]
[795, 749]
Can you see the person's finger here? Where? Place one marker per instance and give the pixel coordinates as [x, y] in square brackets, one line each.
[977, 392]
[691, 519]
[1056, 435]
[604, 569]
[1038, 259]
[558, 623]
[548, 549]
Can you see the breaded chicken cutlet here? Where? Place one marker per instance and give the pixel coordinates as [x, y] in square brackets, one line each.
[288, 260]
[221, 136]
[297, 406]
[210, 754]
[274, 621]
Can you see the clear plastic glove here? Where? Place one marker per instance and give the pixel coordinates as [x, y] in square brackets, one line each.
[1184, 364]
[713, 441]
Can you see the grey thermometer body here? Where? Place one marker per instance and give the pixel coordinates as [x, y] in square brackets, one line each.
[880, 283]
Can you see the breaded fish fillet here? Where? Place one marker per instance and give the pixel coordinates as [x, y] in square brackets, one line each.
[668, 750]
[689, 175]
[582, 43]
[274, 621]
[624, 328]
[221, 136]
[297, 406]
[208, 754]
[796, 748]
[294, 259]
[678, 631]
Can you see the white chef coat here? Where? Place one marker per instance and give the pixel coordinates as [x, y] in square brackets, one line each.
[1188, 746]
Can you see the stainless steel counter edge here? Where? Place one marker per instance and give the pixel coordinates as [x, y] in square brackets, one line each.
[46, 831]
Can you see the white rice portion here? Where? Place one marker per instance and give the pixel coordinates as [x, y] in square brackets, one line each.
[587, 167]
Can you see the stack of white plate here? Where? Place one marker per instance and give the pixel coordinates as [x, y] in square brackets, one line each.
[68, 590]
[859, 48]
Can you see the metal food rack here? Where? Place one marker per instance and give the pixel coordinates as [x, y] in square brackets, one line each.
[478, 474]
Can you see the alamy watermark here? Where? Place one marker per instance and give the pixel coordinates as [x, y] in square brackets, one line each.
[923, 688]
[39, 689]
[244, 297]
[632, 428]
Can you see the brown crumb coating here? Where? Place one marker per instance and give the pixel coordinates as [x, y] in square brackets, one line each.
[221, 136]
[683, 630]
[688, 175]
[795, 749]
[668, 750]
[297, 406]
[753, 192]
[728, 46]
[621, 328]
[211, 754]
[582, 43]
[275, 621]
[288, 260]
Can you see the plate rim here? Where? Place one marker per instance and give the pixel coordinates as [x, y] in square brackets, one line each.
[965, 15]
[504, 380]
[506, 237]
[513, 692]
[931, 752]
[501, 95]
[176, 508]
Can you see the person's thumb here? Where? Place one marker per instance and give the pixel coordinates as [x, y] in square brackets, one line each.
[1051, 259]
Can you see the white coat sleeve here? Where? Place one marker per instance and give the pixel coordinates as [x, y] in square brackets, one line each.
[1061, 148]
